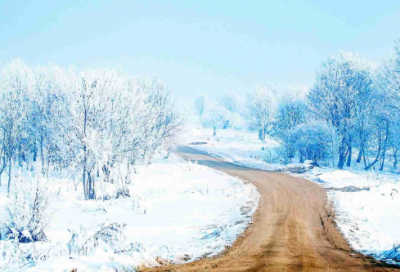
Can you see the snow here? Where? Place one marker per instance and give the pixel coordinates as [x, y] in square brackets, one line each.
[235, 146]
[328, 177]
[177, 212]
[369, 219]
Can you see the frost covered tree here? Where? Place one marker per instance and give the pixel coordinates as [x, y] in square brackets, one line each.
[261, 109]
[98, 122]
[200, 104]
[159, 108]
[214, 118]
[230, 101]
[46, 116]
[90, 110]
[390, 76]
[312, 141]
[292, 110]
[389, 86]
[15, 88]
[342, 95]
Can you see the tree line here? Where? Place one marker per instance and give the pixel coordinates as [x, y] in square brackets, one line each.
[350, 114]
[93, 121]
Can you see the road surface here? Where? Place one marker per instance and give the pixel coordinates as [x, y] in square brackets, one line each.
[292, 230]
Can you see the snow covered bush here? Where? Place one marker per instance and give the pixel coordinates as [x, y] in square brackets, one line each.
[28, 213]
[292, 110]
[312, 141]
[109, 235]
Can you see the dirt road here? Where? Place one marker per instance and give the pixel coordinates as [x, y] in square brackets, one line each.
[293, 228]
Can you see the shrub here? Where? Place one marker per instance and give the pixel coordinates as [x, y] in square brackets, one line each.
[27, 214]
[311, 141]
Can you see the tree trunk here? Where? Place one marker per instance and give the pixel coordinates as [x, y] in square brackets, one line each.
[395, 159]
[34, 151]
[226, 125]
[42, 155]
[3, 166]
[349, 157]
[89, 182]
[376, 158]
[106, 173]
[342, 158]
[360, 155]
[261, 134]
[381, 147]
[85, 191]
[84, 182]
[9, 176]
[383, 160]
[91, 189]
[128, 174]
[365, 161]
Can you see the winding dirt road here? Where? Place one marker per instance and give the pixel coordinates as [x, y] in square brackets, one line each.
[293, 228]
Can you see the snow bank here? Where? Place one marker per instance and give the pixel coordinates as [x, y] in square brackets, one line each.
[177, 212]
[328, 177]
[370, 220]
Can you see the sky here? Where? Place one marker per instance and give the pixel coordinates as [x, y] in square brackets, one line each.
[199, 46]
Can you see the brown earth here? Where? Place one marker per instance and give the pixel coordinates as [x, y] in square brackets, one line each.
[292, 230]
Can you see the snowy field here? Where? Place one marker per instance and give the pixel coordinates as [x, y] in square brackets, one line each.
[177, 212]
[235, 146]
[368, 218]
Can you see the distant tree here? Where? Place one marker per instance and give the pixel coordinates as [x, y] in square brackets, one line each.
[200, 104]
[230, 101]
[261, 109]
[292, 110]
[215, 119]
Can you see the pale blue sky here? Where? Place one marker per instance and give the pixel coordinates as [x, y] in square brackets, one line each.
[199, 46]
